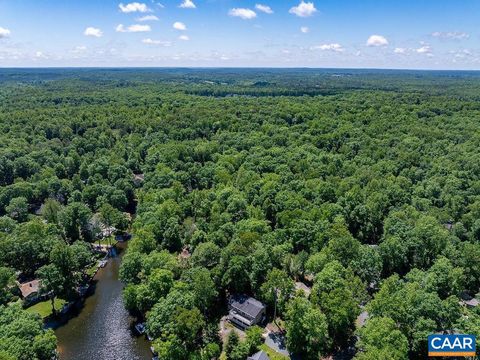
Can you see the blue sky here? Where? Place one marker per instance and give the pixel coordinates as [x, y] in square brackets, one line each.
[415, 34]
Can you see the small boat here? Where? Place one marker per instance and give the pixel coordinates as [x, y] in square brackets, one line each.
[103, 263]
[140, 327]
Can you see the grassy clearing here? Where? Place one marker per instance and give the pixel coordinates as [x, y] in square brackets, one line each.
[44, 308]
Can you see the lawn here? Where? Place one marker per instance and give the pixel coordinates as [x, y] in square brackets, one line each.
[44, 308]
[273, 355]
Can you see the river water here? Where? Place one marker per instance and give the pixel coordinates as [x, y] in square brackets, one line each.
[102, 328]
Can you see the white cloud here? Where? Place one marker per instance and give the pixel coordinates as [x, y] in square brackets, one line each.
[264, 8]
[4, 33]
[425, 49]
[148, 18]
[184, 37]
[242, 13]
[78, 49]
[329, 47]
[304, 9]
[133, 28]
[40, 55]
[156, 42]
[134, 7]
[452, 35]
[377, 40]
[179, 26]
[91, 31]
[187, 4]
[461, 54]
[304, 29]
[399, 50]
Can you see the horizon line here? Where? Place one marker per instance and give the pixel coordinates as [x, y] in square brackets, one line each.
[234, 67]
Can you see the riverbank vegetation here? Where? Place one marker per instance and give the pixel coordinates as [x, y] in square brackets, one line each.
[363, 186]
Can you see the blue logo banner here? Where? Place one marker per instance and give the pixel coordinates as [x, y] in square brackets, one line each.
[451, 345]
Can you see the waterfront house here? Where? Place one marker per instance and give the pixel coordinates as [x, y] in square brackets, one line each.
[30, 290]
[245, 311]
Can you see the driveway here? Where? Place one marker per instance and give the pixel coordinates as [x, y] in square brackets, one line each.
[276, 342]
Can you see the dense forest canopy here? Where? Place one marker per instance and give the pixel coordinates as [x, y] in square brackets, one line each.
[363, 184]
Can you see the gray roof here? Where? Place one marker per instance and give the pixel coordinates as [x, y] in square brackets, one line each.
[247, 305]
[472, 302]
[261, 355]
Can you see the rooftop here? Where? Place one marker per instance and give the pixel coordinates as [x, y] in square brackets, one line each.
[247, 305]
[468, 300]
[472, 302]
[29, 288]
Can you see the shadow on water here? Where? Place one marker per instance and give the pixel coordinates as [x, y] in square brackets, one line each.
[98, 327]
[76, 309]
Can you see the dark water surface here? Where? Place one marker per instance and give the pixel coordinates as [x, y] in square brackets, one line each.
[102, 329]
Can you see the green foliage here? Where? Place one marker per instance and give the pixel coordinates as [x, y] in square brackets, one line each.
[110, 216]
[188, 325]
[74, 220]
[161, 319]
[278, 287]
[131, 268]
[28, 246]
[231, 345]
[415, 310]
[254, 338]
[17, 209]
[356, 181]
[307, 329]
[235, 349]
[380, 338]
[203, 288]
[206, 254]
[50, 210]
[22, 336]
[53, 281]
[7, 281]
[210, 351]
[170, 348]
